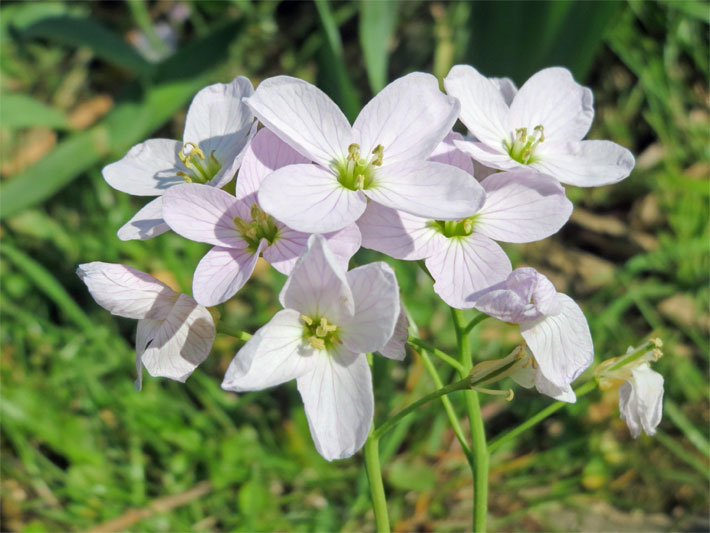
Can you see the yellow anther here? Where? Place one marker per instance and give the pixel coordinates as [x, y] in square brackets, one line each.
[379, 151]
[308, 320]
[354, 152]
[521, 134]
[324, 328]
[510, 396]
[541, 130]
[657, 342]
[316, 343]
[184, 176]
[359, 181]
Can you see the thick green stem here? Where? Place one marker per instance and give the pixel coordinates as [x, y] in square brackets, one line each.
[377, 488]
[478, 432]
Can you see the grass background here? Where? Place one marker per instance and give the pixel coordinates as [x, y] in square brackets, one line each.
[81, 449]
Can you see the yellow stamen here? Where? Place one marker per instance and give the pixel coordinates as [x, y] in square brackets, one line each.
[316, 343]
[308, 320]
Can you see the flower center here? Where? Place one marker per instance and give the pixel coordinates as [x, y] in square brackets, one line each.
[356, 172]
[319, 333]
[261, 226]
[454, 228]
[200, 169]
[522, 146]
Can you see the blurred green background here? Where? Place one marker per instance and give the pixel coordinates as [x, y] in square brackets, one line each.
[82, 450]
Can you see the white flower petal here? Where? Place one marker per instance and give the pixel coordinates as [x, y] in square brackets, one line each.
[337, 396]
[483, 109]
[125, 291]
[466, 266]
[641, 400]
[317, 286]
[376, 295]
[562, 344]
[182, 342]
[399, 234]
[484, 154]
[507, 89]
[232, 160]
[145, 333]
[446, 152]
[146, 223]
[522, 206]
[510, 300]
[427, 189]
[396, 345]
[309, 198]
[409, 118]
[222, 272]
[586, 163]
[148, 169]
[546, 387]
[274, 355]
[553, 99]
[304, 117]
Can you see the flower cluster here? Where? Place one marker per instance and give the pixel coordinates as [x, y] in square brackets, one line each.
[311, 189]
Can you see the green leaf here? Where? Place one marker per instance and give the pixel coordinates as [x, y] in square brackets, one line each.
[22, 111]
[377, 23]
[406, 475]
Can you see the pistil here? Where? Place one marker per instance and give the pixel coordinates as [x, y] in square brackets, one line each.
[522, 146]
[261, 226]
[200, 169]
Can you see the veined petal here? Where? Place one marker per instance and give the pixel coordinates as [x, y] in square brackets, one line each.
[396, 345]
[507, 89]
[486, 155]
[265, 154]
[446, 152]
[562, 344]
[522, 206]
[337, 396]
[586, 163]
[399, 234]
[546, 387]
[641, 400]
[409, 117]
[146, 223]
[182, 342]
[317, 286]
[553, 99]
[145, 333]
[466, 266]
[204, 214]
[222, 272]
[544, 296]
[304, 117]
[231, 157]
[274, 355]
[125, 291]
[511, 299]
[148, 169]
[376, 295]
[428, 189]
[483, 109]
[309, 198]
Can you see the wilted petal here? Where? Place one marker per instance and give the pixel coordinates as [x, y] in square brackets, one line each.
[337, 396]
[204, 214]
[641, 400]
[399, 234]
[146, 223]
[376, 295]
[222, 272]
[317, 286]
[182, 342]
[553, 99]
[125, 291]
[586, 163]
[446, 152]
[274, 355]
[304, 117]
[309, 198]
[409, 118]
[522, 206]
[148, 169]
[428, 189]
[466, 266]
[562, 344]
[396, 345]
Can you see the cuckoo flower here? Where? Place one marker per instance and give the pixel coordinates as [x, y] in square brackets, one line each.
[382, 157]
[237, 227]
[541, 126]
[218, 128]
[551, 323]
[462, 255]
[331, 318]
[174, 333]
[640, 388]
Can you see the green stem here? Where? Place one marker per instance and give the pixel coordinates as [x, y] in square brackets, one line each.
[374, 476]
[474, 322]
[441, 355]
[237, 334]
[443, 391]
[478, 432]
[539, 417]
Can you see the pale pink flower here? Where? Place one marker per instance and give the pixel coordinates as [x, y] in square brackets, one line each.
[174, 335]
[218, 128]
[237, 227]
[541, 126]
[382, 157]
[331, 319]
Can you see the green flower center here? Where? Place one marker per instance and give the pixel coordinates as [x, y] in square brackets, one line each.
[200, 169]
[319, 334]
[261, 226]
[356, 172]
[522, 146]
[454, 228]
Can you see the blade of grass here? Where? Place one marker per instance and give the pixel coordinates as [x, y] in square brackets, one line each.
[22, 111]
[377, 23]
[682, 454]
[696, 438]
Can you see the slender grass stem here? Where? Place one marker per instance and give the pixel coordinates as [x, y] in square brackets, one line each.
[418, 343]
[377, 488]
